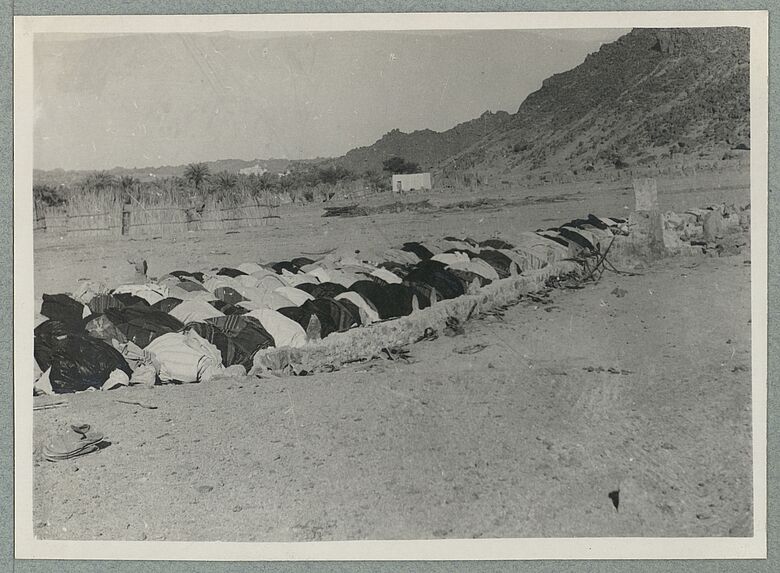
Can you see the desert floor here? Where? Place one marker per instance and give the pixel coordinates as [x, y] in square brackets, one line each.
[521, 427]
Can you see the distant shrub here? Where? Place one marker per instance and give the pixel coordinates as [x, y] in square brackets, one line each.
[48, 196]
[332, 175]
[375, 181]
[399, 165]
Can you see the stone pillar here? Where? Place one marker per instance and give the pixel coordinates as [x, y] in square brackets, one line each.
[646, 194]
[645, 223]
[646, 232]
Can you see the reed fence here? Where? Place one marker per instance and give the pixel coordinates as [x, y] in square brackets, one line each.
[116, 218]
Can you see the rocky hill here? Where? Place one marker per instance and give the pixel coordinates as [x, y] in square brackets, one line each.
[649, 98]
[425, 147]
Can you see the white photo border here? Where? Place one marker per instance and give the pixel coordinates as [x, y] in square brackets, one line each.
[27, 547]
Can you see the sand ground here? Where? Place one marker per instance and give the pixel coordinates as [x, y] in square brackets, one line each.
[520, 427]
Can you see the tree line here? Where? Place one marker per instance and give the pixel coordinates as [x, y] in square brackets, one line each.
[197, 184]
[303, 183]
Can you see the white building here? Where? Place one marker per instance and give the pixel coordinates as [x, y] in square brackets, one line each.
[411, 181]
[256, 169]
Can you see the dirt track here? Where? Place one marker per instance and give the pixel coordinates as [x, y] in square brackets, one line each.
[525, 437]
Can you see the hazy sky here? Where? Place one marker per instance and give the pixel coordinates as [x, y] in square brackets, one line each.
[139, 100]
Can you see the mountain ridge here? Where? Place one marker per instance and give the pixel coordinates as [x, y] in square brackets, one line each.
[644, 99]
[648, 99]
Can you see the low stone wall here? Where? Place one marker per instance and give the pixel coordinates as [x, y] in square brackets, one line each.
[362, 343]
[653, 235]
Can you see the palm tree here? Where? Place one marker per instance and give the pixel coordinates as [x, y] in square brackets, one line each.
[99, 180]
[225, 181]
[127, 183]
[196, 173]
[267, 181]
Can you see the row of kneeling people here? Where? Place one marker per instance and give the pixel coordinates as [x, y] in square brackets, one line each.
[188, 326]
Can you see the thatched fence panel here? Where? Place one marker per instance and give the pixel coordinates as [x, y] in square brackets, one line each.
[158, 221]
[139, 220]
[39, 218]
[98, 224]
[52, 220]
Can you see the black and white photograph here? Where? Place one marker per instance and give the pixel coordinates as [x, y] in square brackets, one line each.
[447, 285]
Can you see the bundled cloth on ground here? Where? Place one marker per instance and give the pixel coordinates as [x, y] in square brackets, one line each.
[100, 326]
[476, 266]
[87, 290]
[227, 271]
[294, 295]
[142, 324]
[226, 308]
[250, 268]
[185, 357]
[267, 300]
[284, 330]
[101, 302]
[368, 312]
[229, 295]
[150, 292]
[499, 261]
[194, 311]
[77, 361]
[167, 304]
[437, 276]
[190, 286]
[390, 301]
[126, 299]
[238, 338]
[62, 308]
[333, 316]
[322, 290]
[186, 274]
[418, 249]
